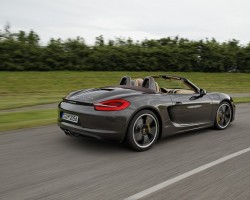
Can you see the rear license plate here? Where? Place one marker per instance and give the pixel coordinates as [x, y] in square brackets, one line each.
[70, 117]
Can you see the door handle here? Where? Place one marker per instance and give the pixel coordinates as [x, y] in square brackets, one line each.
[178, 103]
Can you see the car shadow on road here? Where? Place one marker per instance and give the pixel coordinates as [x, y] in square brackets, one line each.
[104, 146]
[191, 134]
[187, 134]
[93, 145]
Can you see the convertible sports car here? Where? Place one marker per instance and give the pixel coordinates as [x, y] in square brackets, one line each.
[141, 111]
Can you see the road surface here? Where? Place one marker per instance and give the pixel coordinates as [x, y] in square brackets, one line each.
[43, 163]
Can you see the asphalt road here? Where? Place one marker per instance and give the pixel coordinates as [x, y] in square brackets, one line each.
[43, 163]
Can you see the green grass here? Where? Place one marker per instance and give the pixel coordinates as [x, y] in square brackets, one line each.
[18, 89]
[241, 100]
[27, 119]
[19, 101]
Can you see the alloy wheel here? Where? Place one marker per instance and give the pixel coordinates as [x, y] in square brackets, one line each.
[145, 130]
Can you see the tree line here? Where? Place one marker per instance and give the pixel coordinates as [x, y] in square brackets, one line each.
[22, 51]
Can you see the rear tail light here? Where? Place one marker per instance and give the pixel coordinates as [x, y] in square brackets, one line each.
[112, 105]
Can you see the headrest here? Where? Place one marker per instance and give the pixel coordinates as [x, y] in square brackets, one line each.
[157, 88]
[126, 80]
[138, 82]
[132, 83]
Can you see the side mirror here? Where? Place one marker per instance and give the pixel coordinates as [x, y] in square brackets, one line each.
[203, 92]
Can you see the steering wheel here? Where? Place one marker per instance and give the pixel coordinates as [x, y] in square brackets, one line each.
[164, 90]
[176, 90]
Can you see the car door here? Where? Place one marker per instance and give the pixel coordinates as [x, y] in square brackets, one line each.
[187, 109]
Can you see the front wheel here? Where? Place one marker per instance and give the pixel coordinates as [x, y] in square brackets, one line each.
[223, 116]
[143, 131]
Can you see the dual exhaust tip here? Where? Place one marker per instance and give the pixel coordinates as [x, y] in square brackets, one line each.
[69, 133]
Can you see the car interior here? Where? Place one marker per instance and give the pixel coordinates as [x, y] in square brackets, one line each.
[150, 83]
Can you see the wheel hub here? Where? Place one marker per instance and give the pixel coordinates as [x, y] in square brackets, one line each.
[145, 129]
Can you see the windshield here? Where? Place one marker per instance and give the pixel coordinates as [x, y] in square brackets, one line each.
[174, 85]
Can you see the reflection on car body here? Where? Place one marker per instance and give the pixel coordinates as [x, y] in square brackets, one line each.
[139, 112]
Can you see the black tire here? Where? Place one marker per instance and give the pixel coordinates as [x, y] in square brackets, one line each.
[223, 116]
[143, 131]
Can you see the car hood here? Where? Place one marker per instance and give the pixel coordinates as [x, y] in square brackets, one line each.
[101, 94]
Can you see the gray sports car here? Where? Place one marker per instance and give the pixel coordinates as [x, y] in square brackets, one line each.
[141, 111]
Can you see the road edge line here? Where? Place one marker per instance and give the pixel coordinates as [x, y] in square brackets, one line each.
[185, 175]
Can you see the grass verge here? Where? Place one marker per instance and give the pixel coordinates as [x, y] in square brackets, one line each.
[238, 100]
[27, 119]
[19, 101]
[18, 89]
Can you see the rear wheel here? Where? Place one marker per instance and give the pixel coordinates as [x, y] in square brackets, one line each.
[223, 116]
[143, 131]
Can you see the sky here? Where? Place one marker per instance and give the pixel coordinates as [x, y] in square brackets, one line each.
[138, 19]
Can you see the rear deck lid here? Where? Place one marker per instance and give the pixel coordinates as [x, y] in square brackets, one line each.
[99, 94]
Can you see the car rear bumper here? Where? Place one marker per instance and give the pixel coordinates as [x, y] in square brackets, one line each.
[110, 125]
[91, 133]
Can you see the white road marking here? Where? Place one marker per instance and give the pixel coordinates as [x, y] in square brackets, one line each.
[185, 175]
